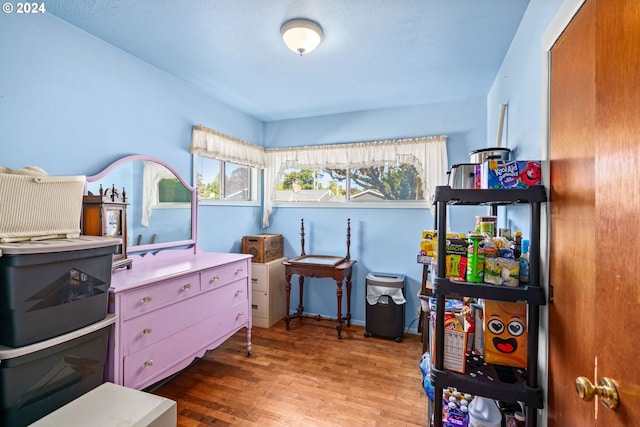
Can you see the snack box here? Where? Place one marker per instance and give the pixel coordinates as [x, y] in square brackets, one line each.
[456, 259]
[502, 174]
[505, 333]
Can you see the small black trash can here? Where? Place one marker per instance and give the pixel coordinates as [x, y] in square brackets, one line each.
[385, 305]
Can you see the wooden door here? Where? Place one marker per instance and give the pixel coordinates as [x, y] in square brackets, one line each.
[595, 213]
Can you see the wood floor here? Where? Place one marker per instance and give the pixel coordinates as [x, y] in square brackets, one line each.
[303, 377]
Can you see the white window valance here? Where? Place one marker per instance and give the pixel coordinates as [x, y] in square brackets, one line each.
[217, 145]
[427, 154]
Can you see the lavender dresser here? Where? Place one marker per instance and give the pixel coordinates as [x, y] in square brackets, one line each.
[171, 308]
[175, 301]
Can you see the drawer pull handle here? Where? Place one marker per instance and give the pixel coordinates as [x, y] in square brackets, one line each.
[148, 363]
[240, 270]
[214, 278]
[239, 291]
[240, 314]
[186, 287]
[145, 300]
[146, 331]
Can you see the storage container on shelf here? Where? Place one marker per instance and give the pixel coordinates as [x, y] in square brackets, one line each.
[51, 287]
[38, 379]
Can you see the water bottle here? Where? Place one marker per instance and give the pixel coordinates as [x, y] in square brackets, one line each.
[523, 263]
[484, 412]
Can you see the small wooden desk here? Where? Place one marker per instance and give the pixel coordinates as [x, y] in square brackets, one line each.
[322, 267]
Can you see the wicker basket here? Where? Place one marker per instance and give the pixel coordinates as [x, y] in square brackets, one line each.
[40, 207]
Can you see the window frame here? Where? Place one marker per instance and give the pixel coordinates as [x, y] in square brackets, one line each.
[348, 203]
[255, 185]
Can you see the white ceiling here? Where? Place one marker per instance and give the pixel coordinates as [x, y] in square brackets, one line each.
[375, 53]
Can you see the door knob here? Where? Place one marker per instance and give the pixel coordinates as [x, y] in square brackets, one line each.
[606, 390]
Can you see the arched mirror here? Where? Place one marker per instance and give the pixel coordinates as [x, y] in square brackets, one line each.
[161, 206]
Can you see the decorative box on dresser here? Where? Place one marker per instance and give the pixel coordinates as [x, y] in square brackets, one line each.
[172, 307]
[268, 287]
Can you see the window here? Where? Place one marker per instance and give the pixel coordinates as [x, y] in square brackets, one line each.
[225, 168]
[217, 181]
[385, 173]
[385, 183]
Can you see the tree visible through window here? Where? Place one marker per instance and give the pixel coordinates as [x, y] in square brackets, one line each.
[373, 183]
[236, 184]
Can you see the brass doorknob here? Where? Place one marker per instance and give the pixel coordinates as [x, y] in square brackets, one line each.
[606, 390]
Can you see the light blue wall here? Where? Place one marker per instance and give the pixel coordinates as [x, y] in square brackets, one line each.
[72, 104]
[382, 240]
[519, 85]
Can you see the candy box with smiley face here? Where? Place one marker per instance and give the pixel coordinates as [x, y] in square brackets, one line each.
[505, 333]
[501, 174]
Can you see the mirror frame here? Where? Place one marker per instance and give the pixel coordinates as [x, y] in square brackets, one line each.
[154, 247]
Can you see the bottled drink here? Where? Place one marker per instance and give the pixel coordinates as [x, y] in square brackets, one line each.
[523, 262]
[517, 244]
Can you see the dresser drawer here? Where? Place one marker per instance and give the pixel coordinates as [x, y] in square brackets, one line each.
[146, 366]
[220, 276]
[150, 328]
[159, 295]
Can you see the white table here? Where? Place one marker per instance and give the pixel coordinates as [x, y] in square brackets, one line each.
[113, 405]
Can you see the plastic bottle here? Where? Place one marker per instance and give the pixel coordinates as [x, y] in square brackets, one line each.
[483, 412]
[523, 263]
[518, 420]
[517, 244]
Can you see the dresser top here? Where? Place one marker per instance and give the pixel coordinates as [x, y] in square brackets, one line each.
[170, 264]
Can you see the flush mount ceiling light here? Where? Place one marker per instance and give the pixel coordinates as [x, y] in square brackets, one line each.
[301, 35]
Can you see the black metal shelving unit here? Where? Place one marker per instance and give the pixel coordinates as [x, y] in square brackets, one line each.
[492, 381]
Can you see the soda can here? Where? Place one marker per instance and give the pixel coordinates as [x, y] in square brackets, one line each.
[475, 258]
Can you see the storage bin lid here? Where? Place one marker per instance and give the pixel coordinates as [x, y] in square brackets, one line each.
[386, 277]
[58, 245]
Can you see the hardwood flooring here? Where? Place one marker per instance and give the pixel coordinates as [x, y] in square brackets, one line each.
[303, 377]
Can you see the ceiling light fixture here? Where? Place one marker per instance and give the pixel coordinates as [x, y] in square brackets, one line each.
[301, 35]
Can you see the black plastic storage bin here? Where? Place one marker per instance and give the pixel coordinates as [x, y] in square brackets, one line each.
[38, 379]
[51, 287]
[385, 305]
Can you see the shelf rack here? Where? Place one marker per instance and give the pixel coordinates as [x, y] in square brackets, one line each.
[492, 381]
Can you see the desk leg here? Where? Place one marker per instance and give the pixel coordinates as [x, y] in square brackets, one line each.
[339, 297]
[348, 316]
[301, 286]
[287, 299]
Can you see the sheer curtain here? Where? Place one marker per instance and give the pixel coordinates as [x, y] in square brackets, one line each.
[217, 145]
[427, 154]
[152, 173]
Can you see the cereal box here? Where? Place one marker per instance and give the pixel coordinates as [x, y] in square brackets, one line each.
[502, 174]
